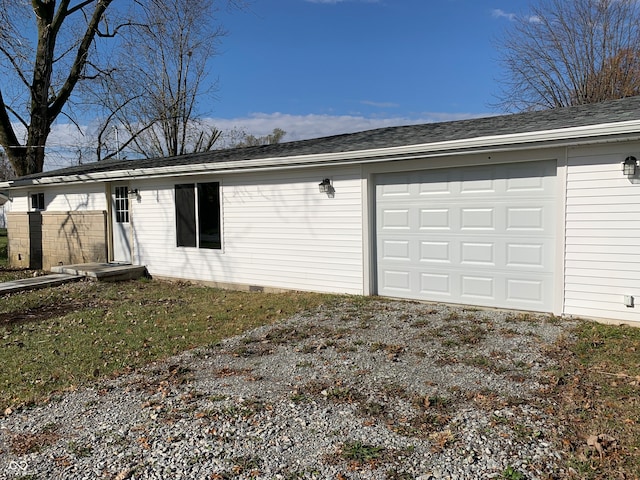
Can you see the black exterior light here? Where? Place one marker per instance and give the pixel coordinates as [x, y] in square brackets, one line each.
[325, 186]
[630, 166]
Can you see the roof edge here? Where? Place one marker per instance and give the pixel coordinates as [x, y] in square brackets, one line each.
[556, 137]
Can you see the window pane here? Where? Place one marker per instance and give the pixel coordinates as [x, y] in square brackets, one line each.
[37, 201]
[121, 204]
[209, 215]
[185, 215]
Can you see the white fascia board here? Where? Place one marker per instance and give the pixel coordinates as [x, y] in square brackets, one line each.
[559, 137]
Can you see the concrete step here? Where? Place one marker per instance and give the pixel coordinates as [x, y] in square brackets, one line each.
[33, 283]
[111, 272]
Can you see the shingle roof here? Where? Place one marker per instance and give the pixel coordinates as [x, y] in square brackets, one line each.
[583, 115]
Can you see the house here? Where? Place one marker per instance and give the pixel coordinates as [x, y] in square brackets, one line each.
[530, 211]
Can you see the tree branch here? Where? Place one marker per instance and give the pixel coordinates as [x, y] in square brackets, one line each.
[80, 6]
[15, 65]
[80, 60]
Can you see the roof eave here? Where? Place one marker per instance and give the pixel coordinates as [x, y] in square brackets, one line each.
[572, 136]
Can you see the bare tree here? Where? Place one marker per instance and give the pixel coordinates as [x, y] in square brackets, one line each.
[244, 139]
[153, 100]
[571, 52]
[40, 75]
[152, 63]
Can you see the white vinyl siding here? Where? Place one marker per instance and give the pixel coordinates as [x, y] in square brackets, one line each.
[278, 231]
[602, 258]
[64, 198]
[71, 198]
[20, 202]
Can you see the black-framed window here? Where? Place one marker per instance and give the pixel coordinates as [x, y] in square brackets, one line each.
[37, 201]
[198, 215]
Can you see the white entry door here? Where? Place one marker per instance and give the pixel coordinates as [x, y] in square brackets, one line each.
[120, 219]
[480, 235]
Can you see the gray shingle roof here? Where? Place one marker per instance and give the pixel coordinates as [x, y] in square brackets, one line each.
[584, 115]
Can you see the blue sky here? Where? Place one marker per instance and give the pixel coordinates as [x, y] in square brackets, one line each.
[324, 67]
[315, 67]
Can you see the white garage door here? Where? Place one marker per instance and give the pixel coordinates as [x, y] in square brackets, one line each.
[475, 235]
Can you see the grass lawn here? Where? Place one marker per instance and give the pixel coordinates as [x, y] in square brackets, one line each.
[597, 390]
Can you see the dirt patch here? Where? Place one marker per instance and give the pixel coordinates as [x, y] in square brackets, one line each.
[45, 312]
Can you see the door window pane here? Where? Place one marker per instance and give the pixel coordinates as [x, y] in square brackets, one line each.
[122, 204]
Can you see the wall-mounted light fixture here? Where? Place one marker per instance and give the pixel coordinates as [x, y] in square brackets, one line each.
[630, 166]
[133, 192]
[325, 186]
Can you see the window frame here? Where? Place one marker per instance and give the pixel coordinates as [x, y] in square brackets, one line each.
[189, 201]
[36, 202]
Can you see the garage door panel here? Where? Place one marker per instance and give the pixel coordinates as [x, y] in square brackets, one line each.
[435, 184]
[477, 253]
[525, 218]
[478, 218]
[394, 190]
[393, 219]
[435, 251]
[397, 280]
[482, 235]
[526, 255]
[396, 250]
[435, 219]
[435, 284]
[477, 287]
[521, 290]
[478, 180]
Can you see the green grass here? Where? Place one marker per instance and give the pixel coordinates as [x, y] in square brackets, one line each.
[597, 389]
[56, 339]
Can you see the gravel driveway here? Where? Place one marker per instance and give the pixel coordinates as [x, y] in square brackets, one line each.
[365, 389]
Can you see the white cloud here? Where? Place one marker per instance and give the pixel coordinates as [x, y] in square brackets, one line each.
[65, 141]
[498, 13]
[300, 127]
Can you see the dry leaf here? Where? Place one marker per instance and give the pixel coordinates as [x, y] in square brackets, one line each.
[601, 443]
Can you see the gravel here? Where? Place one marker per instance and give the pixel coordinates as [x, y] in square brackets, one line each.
[363, 389]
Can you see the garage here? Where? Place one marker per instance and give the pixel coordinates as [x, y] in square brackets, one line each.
[481, 235]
